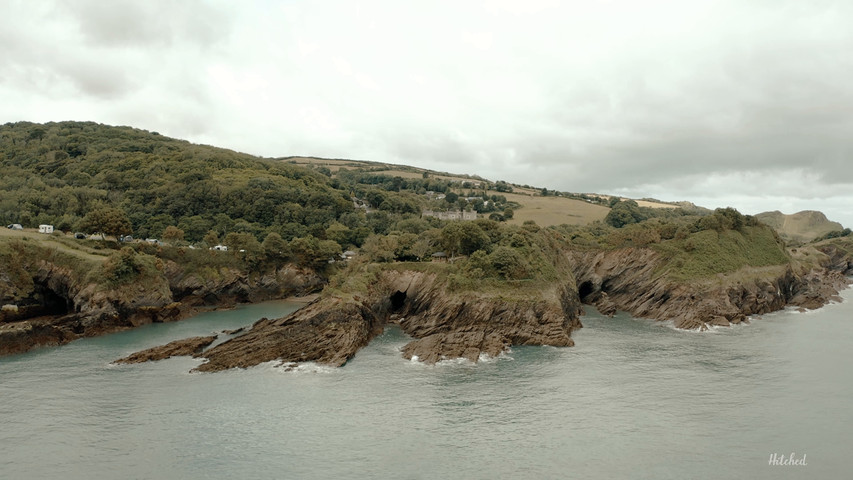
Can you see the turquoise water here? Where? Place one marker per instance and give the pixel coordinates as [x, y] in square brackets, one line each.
[633, 399]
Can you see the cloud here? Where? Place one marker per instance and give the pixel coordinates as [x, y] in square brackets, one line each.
[742, 103]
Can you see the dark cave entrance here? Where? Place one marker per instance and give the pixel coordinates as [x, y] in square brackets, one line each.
[398, 300]
[585, 290]
[41, 303]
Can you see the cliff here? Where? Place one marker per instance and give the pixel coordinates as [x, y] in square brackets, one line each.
[444, 323]
[631, 280]
[52, 301]
[447, 320]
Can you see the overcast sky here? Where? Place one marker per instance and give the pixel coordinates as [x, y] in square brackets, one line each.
[742, 103]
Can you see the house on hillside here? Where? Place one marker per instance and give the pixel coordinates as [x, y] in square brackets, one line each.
[348, 255]
[45, 228]
[452, 215]
[439, 257]
[221, 248]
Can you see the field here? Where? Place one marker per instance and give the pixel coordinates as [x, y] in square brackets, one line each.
[546, 211]
[333, 164]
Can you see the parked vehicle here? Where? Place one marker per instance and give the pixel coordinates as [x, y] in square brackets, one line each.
[80, 236]
[15, 226]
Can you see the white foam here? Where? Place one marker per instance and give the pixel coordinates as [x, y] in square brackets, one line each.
[304, 367]
[456, 361]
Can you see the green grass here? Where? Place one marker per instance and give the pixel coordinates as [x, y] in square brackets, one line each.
[709, 252]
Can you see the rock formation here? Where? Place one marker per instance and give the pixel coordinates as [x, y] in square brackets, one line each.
[85, 308]
[626, 280]
[188, 346]
[445, 324]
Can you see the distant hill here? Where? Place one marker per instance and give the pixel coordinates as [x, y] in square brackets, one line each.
[802, 226]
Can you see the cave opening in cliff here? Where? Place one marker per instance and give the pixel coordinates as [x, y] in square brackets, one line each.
[398, 299]
[585, 290]
[46, 301]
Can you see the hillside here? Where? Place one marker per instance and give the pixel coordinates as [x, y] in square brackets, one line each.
[800, 227]
[535, 253]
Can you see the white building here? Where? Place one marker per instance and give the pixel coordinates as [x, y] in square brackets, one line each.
[451, 215]
[45, 228]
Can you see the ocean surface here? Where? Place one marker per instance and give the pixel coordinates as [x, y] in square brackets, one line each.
[633, 399]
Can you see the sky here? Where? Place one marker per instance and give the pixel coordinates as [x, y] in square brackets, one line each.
[740, 103]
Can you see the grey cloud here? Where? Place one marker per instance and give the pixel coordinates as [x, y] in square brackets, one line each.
[150, 23]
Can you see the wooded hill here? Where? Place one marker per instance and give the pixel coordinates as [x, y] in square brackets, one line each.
[120, 180]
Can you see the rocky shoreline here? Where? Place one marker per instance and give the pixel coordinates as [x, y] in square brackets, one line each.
[624, 280]
[443, 321]
[93, 310]
[446, 324]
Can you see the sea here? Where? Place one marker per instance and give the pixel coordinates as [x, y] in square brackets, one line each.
[634, 398]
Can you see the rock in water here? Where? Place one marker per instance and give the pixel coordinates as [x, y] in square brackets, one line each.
[328, 331]
[188, 346]
[445, 324]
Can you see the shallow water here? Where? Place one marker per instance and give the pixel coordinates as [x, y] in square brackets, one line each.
[633, 399]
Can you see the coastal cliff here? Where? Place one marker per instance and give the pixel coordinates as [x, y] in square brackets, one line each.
[51, 301]
[629, 280]
[446, 320]
[443, 323]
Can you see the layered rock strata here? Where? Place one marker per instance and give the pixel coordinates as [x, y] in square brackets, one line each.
[86, 309]
[629, 280]
[188, 346]
[444, 324]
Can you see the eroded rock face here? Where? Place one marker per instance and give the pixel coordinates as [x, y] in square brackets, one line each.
[328, 331]
[231, 286]
[466, 325]
[624, 280]
[445, 324]
[188, 346]
[93, 309]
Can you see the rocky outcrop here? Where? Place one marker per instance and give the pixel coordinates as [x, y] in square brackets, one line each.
[188, 346]
[328, 331]
[445, 324]
[228, 286]
[626, 280]
[84, 308]
[448, 325]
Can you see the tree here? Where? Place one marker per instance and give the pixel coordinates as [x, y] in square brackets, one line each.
[211, 238]
[508, 213]
[246, 246]
[463, 238]
[451, 197]
[173, 234]
[310, 252]
[508, 263]
[106, 220]
[37, 134]
[275, 249]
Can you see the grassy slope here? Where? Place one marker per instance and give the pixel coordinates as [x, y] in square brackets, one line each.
[708, 253]
[83, 249]
[20, 253]
[801, 226]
